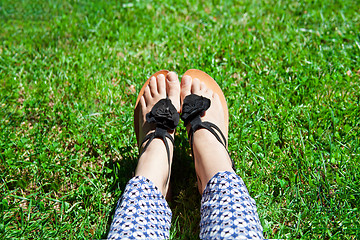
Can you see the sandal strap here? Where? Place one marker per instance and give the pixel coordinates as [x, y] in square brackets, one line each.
[197, 124]
[192, 117]
[159, 133]
[166, 118]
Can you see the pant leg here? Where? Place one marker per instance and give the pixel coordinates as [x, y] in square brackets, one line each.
[141, 213]
[227, 210]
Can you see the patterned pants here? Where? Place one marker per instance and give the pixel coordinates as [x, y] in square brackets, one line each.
[227, 211]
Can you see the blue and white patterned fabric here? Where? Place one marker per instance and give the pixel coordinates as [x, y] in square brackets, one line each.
[227, 211]
[142, 212]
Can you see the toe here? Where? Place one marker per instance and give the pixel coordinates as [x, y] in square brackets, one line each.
[195, 88]
[185, 86]
[173, 89]
[153, 86]
[143, 103]
[161, 86]
[147, 95]
[202, 86]
[216, 97]
[208, 93]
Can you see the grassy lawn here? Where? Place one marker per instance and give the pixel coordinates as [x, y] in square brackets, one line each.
[69, 76]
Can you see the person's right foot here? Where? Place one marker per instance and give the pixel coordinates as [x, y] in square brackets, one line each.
[153, 163]
[210, 155]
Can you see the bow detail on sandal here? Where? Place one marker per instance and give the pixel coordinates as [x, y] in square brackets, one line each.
[164, 114]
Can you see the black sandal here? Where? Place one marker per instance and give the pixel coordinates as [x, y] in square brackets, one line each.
[166, 118]
[193, 107]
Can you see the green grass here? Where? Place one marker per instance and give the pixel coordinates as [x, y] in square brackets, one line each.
[69, 76]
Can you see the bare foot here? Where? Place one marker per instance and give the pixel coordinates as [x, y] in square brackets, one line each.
[153, 163]
[210, 155]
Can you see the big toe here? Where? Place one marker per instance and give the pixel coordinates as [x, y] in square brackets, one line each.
[185, 86]
[173, 89]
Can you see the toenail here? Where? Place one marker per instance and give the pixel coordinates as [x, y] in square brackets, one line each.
[168, 76]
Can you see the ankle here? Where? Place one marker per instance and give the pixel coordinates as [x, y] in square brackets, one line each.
[210, 157]
[153, 164]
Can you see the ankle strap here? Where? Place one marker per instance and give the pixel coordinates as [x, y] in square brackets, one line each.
[197, 124]
[159, 133]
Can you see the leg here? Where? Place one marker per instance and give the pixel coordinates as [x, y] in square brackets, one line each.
[227, 210]
[209, 154]
[153, 163]
[142, 211]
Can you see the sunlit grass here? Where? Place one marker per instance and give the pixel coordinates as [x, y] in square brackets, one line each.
[69, 76]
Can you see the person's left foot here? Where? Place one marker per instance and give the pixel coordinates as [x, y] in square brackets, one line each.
[210, 155]
[153, 163]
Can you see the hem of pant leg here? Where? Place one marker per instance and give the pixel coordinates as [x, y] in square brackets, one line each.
[209, 190]
[215, 176]
[157, 190]
[136, 184]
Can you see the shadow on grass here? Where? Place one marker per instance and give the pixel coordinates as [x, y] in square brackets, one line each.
[122, 171]
[185, 198]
